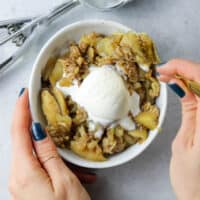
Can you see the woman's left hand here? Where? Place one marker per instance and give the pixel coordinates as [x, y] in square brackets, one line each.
[37, 170]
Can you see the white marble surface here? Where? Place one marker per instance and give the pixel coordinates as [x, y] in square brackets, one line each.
[174, 24]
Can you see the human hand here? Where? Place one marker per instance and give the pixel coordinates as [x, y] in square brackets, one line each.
[37, 171]
[185, 161]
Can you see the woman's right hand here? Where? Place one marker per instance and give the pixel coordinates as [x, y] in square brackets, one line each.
[185, 161]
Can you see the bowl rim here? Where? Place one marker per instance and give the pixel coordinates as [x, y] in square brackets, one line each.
[92, 164]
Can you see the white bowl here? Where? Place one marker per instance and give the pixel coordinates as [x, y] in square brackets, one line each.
[58, 41]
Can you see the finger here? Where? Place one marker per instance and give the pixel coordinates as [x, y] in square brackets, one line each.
[48, 156]
[189, 106]
[182, 67]
[20, 136]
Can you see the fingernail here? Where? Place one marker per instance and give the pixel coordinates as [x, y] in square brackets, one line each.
[21, 92]
[178, 90]
[38, 132]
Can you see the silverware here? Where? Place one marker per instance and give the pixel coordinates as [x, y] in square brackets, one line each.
[29, 27]
[5, 65]
[10, 29]
[19, 35]
[59, 10]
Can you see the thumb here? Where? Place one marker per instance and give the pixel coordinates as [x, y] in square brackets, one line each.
[47, 154]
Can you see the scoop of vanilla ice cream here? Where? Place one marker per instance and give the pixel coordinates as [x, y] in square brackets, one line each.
[104, 95]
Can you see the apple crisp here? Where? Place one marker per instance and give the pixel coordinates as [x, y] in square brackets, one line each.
[133, 56]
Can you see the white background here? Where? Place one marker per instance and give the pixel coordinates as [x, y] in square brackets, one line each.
[174, 25]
